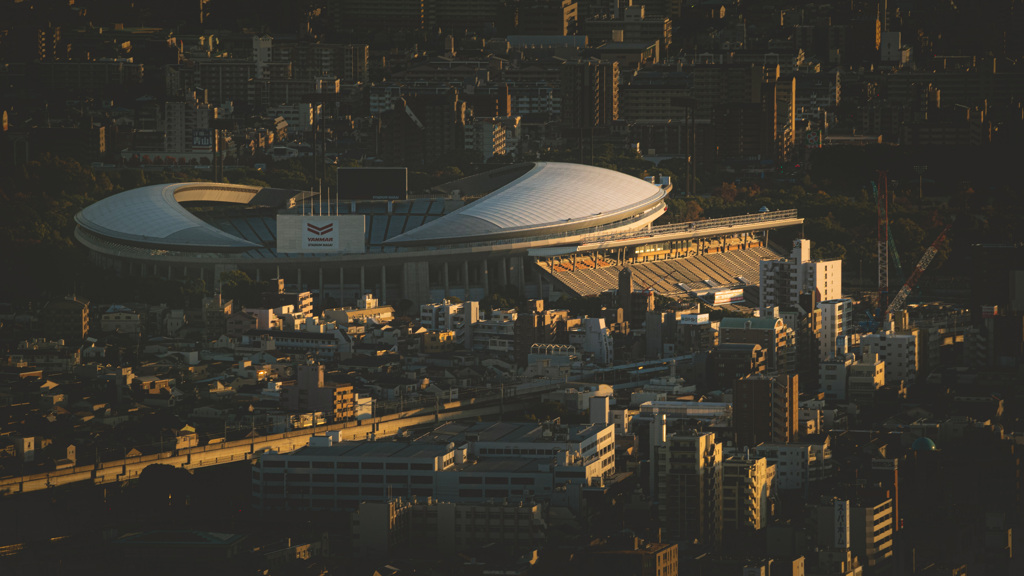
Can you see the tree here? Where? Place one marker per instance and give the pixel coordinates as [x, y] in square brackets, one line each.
[164, 486]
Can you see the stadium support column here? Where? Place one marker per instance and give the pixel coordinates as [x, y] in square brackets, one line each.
[465, 279]
[486, 280]
[503, 277]
[518, 273]
[416, 281]
[298, 279]
[383, 284]
[444, 278]
[341, 286]
[362, 281]
[320, 273]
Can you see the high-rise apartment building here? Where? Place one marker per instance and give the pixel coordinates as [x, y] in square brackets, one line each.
[590, 94]
[806, 326]
[899, 351]
[836, 322]
[765, 409]
[865, 377]
[421, 128]
[377, 14]
[686, 483]
[183, 120]
[745, 493]
[799, 281]
[864, 526]
[66, 319]
[636, 24]
[732, 361]
[548, 17]
[776, 339]
[833, 375]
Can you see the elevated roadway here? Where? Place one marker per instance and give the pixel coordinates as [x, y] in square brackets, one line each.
[115, 471]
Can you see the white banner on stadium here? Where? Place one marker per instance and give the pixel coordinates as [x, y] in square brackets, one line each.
[312, 234]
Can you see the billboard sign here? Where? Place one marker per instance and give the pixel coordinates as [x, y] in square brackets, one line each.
[694, 319]
[202, 139]
[842, 523]
[730, 296]
[344, 233]
[374, 183]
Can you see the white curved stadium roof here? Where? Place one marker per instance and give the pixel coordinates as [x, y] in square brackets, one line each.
[152, 215]
[549, 197]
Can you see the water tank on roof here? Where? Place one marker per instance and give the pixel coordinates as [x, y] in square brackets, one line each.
[924, 444]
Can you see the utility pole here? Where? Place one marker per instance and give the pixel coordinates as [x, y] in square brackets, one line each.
[921, 169]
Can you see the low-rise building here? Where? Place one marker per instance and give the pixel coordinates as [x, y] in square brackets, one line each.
[456, 462]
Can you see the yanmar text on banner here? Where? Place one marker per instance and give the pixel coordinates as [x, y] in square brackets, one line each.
[343, 233]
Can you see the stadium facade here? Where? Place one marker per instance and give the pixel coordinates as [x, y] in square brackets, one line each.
[534, 226]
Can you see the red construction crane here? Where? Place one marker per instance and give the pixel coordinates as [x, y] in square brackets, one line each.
[929, 255]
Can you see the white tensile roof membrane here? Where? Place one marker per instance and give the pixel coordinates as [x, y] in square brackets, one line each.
[550, 195]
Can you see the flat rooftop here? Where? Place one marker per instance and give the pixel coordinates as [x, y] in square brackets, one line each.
[511, 432]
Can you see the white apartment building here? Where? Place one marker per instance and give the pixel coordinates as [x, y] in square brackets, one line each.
[784, 281]
[833, 375]
[593, 338]
[866, 377]
[899, 351]
[797, 465]
[836, 321]
[497, 333]
[449, 317]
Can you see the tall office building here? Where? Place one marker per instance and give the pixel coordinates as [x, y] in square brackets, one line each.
[686, 483]
[765, 409]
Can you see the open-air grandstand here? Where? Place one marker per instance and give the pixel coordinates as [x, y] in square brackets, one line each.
[671, 277]
[540, 227]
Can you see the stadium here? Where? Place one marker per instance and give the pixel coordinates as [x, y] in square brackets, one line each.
[541, 227]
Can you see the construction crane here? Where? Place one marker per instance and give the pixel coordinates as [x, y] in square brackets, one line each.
[901, 297]
[892, 242]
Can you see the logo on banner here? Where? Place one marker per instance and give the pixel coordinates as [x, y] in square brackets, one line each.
[320, 236]
[320, 230]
